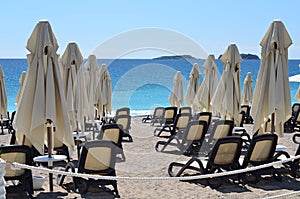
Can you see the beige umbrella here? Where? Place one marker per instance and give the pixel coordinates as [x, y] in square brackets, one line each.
[22, 83]
[104, 104]
[91, 81]
[272, 92]
[208, 87]
[3, 97]
[226, 99]
[42, 104]
[74, 86]
[248, 90]
[193, 85]
[176, 97]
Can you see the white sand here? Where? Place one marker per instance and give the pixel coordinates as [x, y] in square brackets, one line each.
[142, 160]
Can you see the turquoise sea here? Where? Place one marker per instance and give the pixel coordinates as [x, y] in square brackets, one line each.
[141, 84]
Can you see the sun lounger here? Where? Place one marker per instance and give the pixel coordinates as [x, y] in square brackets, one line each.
[113, 133]
[179, 125]
[224, 156]
[20, 154]
[97, 157]
[191, 141]
[261, 151]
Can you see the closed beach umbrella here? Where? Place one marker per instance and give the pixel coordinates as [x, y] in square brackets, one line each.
[193, 85]
[272, 92]
[74, 85]
[208, 86]
[104, 102]
[91, 81]
[3, 97]
[176, 97]
[248, 90]
[43, 104]
[21, 80]
[227, 100]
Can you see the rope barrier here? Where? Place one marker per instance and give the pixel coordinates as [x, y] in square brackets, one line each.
[284, 195]
[15, 165]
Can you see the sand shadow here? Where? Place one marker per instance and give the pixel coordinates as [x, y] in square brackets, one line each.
[51, 195]
[228, 186]
[94, 191]
[269, 184]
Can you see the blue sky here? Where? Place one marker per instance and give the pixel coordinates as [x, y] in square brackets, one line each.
[211, 24]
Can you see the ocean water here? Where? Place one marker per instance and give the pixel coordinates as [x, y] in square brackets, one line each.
[141, 84]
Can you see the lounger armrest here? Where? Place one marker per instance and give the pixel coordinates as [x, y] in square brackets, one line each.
[281, 153]
[61, 178]
[166, 143]
[295, 136]
[193, 164]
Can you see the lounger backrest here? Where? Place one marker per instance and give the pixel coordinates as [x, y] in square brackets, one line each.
[123, 111]
[97, 156]
[111, 132]
[14, 157]
[246, 109]
[159, 112]
[170, 114]
[185, 110]
[124, 122]
[182, 120]
[204, 116]
[261, 149]
[226, 151]
[222, 128]
[297, 115]
[196, 130]
[295, 107]
[16, 153]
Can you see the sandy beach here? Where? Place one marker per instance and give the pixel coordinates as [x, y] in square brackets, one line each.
[143, 161]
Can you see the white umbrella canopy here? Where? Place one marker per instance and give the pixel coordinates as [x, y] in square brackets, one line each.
[43, 100]
[227, 98]
[3, 97]
[104, 104]
[208, 86]
[193, 85]
[91, 73]
[22, 83]
[176, 97]
[248, 90]
[74, 86]
[272, 91]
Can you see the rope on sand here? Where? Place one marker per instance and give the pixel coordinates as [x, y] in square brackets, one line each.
[15, 165]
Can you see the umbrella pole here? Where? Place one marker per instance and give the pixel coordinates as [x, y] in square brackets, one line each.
[272, 123]
[2, 124]
[49, 141]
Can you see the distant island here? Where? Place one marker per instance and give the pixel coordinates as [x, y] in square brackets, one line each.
[246, 56]
[175, 57]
